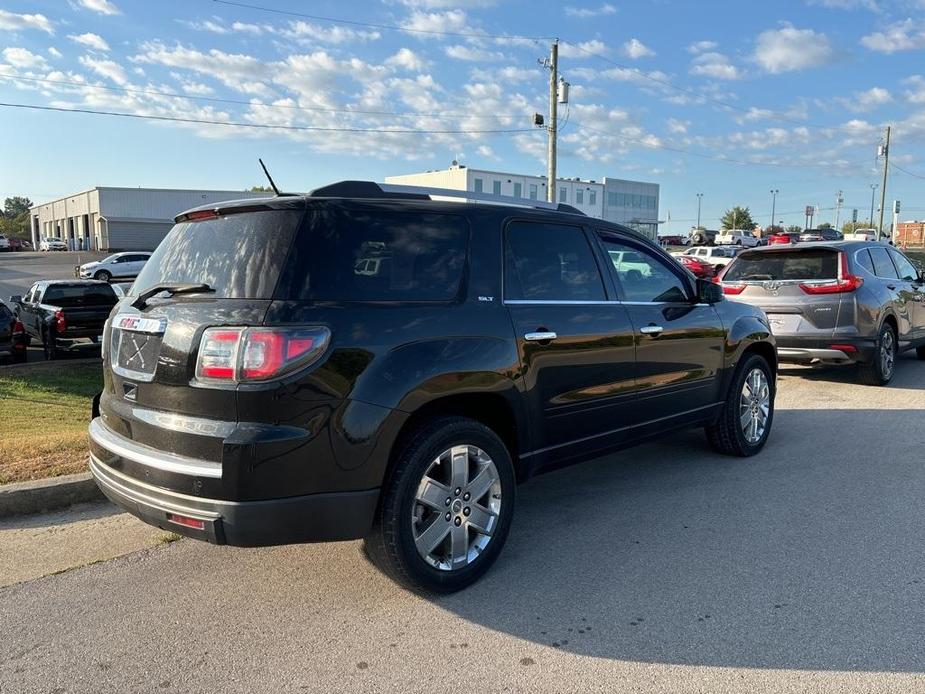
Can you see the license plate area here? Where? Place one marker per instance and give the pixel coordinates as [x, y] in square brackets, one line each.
[136, 345]
[784, 323]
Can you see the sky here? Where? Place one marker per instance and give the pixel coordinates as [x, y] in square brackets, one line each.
[728, 99]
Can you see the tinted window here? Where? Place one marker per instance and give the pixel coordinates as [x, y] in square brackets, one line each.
[806, 264]
[71, 295]
[239, 255]
[377, 256]
[883, 266]
[643, 276]
[863, 259]
[549, 262]
[906, 269]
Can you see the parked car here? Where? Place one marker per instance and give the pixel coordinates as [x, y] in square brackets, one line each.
[4, 244]
[699, 267]
[717, 256]
[56, 310]
[263, 392]
[826, 234]
[783, 238]
[116, 266]
[12, 337]
[52, 244]
[701, 237]
[862, 235]
[18, 244]
[736, 237]
[842, 302]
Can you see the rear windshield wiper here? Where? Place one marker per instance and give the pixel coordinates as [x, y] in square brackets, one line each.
[170, 288]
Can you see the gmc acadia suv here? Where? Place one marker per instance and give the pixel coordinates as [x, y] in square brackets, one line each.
[367, 362]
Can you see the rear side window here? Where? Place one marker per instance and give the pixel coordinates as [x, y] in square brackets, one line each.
[549, 262]
[68, 295]
[815, 264]
[883, 266]
[239, 256]
[375, 255]
[863, 258]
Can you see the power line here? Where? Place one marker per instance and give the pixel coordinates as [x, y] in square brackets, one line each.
[242, 102]
[262, 126]
[372, 25]
[910, 173]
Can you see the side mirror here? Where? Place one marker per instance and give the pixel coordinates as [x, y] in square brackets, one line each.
[708, 292]
[16, 299]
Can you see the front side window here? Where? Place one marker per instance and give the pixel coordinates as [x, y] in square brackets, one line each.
[549, 262]
[883, 266]
[478, 185]
[905, 268]
[642, 276]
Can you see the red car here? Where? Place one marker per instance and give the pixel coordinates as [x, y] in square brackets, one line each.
[700, 268]
[784, 237]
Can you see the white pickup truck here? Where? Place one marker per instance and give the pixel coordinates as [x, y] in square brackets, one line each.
[717, 256]
[736, 237]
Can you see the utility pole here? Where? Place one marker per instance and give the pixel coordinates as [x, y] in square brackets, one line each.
[885, 149]
[551, 127]
[699, 200]
[774, 192]
[873, 189]
[839, 200]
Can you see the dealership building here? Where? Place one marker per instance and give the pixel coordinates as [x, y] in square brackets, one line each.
[119, 219]
[633, 203]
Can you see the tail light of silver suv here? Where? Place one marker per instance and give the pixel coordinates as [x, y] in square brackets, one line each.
[844, 283]
[233, 355]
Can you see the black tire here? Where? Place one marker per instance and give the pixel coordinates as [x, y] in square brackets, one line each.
[920, 353]
[49, 346]
[876, 372]
[103, 276]
[390, 544]
[726, 435]
[18, 356]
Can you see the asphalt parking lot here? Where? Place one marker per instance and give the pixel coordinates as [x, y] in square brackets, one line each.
[662, 569]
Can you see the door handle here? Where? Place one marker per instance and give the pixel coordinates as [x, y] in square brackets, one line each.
[891, 287]
[653, 330]
[540, 336]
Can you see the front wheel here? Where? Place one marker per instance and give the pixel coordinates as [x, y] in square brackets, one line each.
[446, 507]
[745, 422]
[879, 371]
[103, 276]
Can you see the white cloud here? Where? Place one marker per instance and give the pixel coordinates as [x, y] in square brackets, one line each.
[588, 12]
[190, 87]
[487, 152]
[715, 66]
[847, 4]
[105, 68]
[636, 49]
[788, 49]
[100, 6]
[407, 59]
[90, 40]
[54, 52]
[214, 26]
[583, 49]
[445, 4]
[916, 93]
[308, 32]
[13, 21]
[516, 74]
[21, 57]
[702, 46]
[472, 53]
[678, 127]
[245, 28]
[867, 100]
[901, 36]
[436, 22]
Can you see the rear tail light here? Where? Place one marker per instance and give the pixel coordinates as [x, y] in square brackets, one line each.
[60, 323]
[18, 328]
[186, 521]
[257, 354]
[200, 215]
[734, 288]
[846, 282]
[844, 348]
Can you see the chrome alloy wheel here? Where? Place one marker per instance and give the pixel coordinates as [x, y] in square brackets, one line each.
[755, 406]
[456, 508]
[887, 354]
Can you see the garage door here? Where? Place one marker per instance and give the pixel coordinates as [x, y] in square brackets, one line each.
[136, 236]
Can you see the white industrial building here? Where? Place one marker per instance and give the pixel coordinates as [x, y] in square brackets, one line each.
[633, 203]
[120, 219]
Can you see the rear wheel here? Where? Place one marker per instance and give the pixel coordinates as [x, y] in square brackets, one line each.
[49, 346]
[446, 508]
[879, 371]
[103, 276]
[745, 422]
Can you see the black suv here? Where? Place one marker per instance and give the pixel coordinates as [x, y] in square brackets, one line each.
[366, 363]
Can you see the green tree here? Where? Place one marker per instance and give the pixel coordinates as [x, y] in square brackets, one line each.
[794, 229]
[851, 227]
[737, 218]
[773, 229]
[824, 225]
[15, 206]
[261, 189]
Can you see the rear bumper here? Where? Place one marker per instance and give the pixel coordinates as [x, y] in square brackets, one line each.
[307, 518]
[836, 350]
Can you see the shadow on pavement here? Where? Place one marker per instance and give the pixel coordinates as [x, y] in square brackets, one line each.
[907, 376]
[670, 554]
[80, 512]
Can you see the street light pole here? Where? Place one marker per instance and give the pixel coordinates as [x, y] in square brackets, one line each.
[774, 192]
[699, 199]
[873, 190]
[839, 200]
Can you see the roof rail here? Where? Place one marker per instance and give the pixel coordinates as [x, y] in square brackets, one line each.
[369, 189]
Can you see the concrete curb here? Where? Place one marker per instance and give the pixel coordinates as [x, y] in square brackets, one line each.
[20, 498]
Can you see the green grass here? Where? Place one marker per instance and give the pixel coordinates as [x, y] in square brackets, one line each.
[44, 413]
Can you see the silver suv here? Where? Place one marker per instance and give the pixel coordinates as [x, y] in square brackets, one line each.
[845, 302]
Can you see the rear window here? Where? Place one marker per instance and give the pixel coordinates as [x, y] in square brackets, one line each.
[375, 255]
[70, 295]
[815, 264]
[239, 255]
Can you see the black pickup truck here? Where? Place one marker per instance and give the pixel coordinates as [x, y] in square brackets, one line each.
[52, 311]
